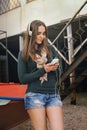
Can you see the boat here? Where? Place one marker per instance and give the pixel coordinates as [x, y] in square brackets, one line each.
[12, 111]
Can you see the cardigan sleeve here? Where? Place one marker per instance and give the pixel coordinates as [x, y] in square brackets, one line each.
[24, 76]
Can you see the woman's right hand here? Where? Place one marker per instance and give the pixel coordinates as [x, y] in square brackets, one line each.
[50, 67]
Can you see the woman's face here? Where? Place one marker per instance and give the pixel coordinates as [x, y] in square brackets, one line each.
[40, 35]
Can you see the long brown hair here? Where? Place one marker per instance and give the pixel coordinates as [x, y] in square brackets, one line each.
[29, 46]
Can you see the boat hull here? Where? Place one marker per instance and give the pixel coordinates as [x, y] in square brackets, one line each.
[12, 114]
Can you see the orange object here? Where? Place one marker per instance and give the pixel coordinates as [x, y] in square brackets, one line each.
[12, 91]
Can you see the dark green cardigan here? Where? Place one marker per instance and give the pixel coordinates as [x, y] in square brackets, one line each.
[28, 73]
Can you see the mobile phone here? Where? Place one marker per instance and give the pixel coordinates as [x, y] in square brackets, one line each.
[55, 61]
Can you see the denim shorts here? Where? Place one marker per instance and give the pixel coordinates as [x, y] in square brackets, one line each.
[38, 100]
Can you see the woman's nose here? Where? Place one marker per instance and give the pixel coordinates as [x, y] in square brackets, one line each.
[42, 35]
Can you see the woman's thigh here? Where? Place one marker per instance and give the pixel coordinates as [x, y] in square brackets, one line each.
[55, 117]
[38, 117]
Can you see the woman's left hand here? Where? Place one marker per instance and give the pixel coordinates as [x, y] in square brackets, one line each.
[54, 66]
[50, 67]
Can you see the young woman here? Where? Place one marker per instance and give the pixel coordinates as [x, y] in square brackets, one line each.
[35, 68]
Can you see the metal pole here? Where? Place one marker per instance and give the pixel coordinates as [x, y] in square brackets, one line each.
[7, 73]
[71, 59]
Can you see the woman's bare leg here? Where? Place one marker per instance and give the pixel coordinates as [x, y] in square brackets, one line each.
[55, 117]
[38, 117]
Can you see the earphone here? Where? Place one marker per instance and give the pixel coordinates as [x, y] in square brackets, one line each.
[29, 31]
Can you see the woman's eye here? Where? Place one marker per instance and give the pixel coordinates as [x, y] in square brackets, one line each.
[38, 33]
[41, 33]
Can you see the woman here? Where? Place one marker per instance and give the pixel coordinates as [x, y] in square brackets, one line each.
[36, 69]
